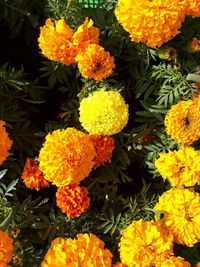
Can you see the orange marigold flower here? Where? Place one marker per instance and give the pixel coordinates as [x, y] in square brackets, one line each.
[85, 251]
[182, 214]
[6, 248]
[198, 264]
[95, 62]
[181, 167]
[56, 42]
[104, 146]
[143, 242]
[72, 200]
[183, 122]
[173, 262]
[67, 157]
[5, 142]
[194, 45]
[32, 176]
[151, 22]
[193, 8]
[85, 35]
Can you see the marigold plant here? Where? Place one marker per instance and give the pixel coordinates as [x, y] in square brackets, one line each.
[72, 200]
[56, 42]
[95, 63]
[32, 176]
[6, 248]
[5, 143]
[143, 242]
[85, 251]
[103, 113]
[182, 214]
[67, 157]
[183, 122]
[151, 22]
[181, 167]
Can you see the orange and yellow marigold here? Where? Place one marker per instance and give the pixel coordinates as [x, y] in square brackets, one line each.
[6, 248]
[5, 143]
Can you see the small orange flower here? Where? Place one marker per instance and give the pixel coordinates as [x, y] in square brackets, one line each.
[104, 146]
[32, 176]
[194, 45]
[6, 248]
[56, 42]
[95, 63]
[5, 142]
[72, 200]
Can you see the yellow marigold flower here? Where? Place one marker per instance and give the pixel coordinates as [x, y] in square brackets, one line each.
[173, 262]
[56, 42]
[85, 35]
[193, 8]
[95, 62]
[85, 251]
[182, 210]
[183, 122]
[194, 45]
[32, 176]
[104, 146]
[143, 242]
[168, 53]
[151, 22]
[6, 248]
[5, 142]
[67, 157]
[72, 200]
[181, 167]
[103, 113]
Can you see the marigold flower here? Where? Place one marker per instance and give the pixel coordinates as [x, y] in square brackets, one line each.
[181, 167]
[193, 8]
[5, 142]
[95, 62]
[151, 22]
[168, 53]
[103, 113]
[85, 251]
[104, 146]
[72, 200]
[67, 157]
[182, 210]
[173, 262]
[198, 264]
[143, 242]
[56, 42]
[6, 248]
[32, 176]
[85, 35]
[194, 45]
[183, 122]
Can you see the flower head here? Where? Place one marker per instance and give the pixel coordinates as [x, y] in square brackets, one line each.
[67, 157]
[193, 8]
[72, 200]
[143, 242]
[181, 167]
[168, 53]
[32, 176]
[95, 62]
[194, 45]
[85, 251]
[182, 210]
[104, 146]
[183, 122]
[173, 262]
[103, 113]
[56, 42]
[85, 35]
[5, 142]
[151, 22]
[6, 248]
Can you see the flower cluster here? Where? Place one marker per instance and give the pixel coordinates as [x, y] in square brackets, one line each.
[6, 249]
[103, 113]
[182, 214]
[5, 142]
[59, 43]
[183, 122]
[32, 176]
[72, 200]
[86, 251]
[181, 167]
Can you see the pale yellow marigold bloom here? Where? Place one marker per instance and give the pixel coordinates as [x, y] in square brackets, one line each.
[103, 113]
[143, 242]
[181, 167]
[85, 251]
[182, 214]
